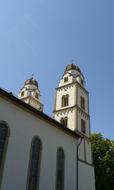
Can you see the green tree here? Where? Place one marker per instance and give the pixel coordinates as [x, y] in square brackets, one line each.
[103, 157]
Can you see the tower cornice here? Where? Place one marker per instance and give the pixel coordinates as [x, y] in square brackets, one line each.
[72, 107]
[73, 83]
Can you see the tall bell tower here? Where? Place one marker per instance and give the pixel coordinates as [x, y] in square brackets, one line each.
[72, 107]
[72, 101]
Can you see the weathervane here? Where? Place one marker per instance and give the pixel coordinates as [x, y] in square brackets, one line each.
[33, 75]
[72, 61]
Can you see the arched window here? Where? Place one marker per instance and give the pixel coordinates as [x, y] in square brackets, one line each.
[83, 126]
[65, 100]
[60, 169]
[3, 140]
[36, 96]
[82, 81]
[82, 102]
[22, 93]
[34, 168]
[64, 121]
[66, 79]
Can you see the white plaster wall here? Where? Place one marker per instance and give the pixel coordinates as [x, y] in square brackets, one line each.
[35, 103]
[89, 158]
[85, 153]
[23, 127]
[82, 151]
[86, 177]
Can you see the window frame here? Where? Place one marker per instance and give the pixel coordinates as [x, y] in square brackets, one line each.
[82, 82]
[82, 102]
[64, 121]
[22, 93]
[30, 165]
[65, 79]
[65, 100]
[60, 169]
[83, 126]
[3, 157]
[37, 95]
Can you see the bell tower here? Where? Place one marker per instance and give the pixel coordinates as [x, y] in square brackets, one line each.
[72, 101]
[72, 107]
[30, 94]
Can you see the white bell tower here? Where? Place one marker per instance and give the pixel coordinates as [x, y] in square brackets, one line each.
[72, 101]
[72, 107]
[30, 94]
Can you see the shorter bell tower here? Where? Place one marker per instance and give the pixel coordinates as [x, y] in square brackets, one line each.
[30, 94]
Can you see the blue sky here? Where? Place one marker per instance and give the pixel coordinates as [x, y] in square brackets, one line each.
[43, 36]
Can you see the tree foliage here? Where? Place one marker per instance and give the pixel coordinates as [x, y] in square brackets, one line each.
[103, 157]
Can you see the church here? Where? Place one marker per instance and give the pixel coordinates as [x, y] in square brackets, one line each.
[38, 152]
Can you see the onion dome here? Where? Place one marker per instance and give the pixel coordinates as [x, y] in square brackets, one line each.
[72, 67]
[31, 81]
